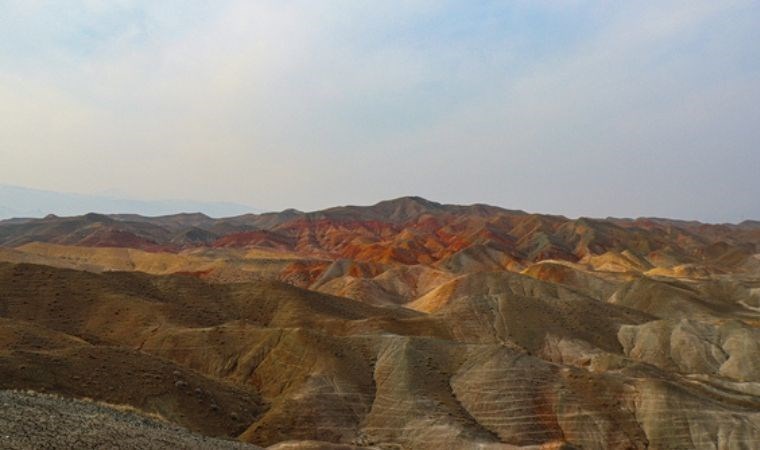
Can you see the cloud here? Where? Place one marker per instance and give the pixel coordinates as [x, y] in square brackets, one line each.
[309, 104]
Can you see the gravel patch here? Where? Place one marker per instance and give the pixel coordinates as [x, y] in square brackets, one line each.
[38, 421]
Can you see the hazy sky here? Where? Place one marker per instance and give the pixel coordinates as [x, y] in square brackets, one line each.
[569, 107]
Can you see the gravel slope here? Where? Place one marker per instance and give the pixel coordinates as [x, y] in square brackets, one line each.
[39, 421]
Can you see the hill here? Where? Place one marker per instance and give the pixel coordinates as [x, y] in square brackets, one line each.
[16, 201]
[269, 363]
[406, 324]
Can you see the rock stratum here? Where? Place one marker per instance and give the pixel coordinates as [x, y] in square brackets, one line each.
[404, 325]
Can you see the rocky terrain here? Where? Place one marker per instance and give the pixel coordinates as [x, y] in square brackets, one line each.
[30, 420]
[407, 324]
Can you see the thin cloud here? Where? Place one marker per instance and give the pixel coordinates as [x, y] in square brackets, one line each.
[568, 107]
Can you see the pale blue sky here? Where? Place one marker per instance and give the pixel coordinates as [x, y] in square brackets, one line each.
[567, 107]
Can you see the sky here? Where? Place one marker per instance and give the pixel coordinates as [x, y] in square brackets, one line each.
[581, 108]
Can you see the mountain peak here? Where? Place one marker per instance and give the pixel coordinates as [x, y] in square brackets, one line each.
[402, 209]
[410, 201]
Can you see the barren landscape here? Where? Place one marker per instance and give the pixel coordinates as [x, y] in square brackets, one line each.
[387, 225]
[406, 324]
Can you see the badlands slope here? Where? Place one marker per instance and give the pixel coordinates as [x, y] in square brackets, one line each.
[407, 324]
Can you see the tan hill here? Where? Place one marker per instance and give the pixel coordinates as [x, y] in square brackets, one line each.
[487, 360]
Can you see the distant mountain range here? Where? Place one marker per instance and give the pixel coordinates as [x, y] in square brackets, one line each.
[408, 230]
[18, 201]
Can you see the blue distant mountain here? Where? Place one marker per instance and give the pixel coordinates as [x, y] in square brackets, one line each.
[18, 201]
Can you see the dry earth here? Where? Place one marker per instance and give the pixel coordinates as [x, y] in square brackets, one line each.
[35, 421]
[405, 325]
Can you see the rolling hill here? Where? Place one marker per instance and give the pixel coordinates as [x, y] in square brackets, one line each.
[406, 324]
